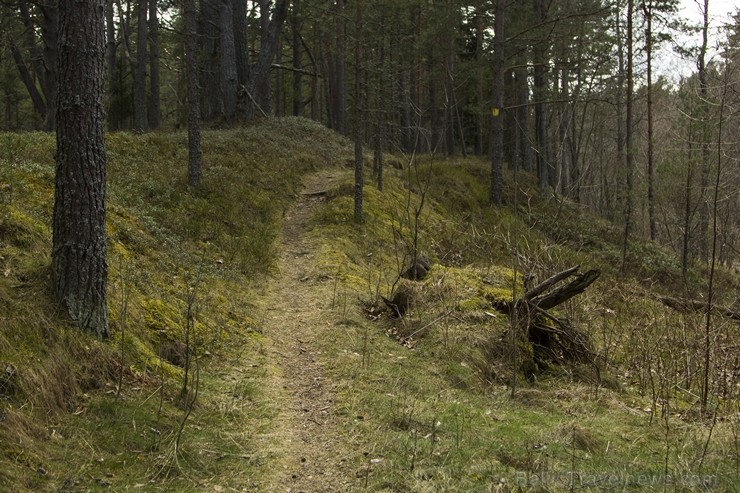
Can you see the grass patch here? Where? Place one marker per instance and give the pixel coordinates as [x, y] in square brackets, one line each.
[65, 422]
[414, 392]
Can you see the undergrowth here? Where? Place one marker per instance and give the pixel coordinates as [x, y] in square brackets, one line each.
[64, 423]
[425, 393]
[433, 400]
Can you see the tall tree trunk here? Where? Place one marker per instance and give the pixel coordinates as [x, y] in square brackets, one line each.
[297, 61]
[629, 144]
[540, 92]
[511, 156]
[111, 65]
[264, 21]
[563, 129]
[279, 102]
[575, 141]
[480, 101]
[705, 132]
[79, 253]
[433, 104]
[522, 112]
[331, 87]
[261, 80]
[44, 63]
[340, 110]
[38, 60]
[241, 43]
[359, 100]
[685, 255]
[229, 78]
[38, 101]
[380, 114]
[497, 171]
[49, 33]
[647, 11]
[208, 38]
[449, 101]
[403, 98]
[154, 92]
[141, 123]
[576, 130]
[415, 82]
[620, 143]
[191, 69]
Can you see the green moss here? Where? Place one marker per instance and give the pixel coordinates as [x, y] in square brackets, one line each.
[160, 316]
[337, 211]
[143, 358]
[20, 229]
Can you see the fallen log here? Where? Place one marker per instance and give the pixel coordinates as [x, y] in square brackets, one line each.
[684, 306]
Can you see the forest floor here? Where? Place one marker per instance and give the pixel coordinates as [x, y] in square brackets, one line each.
[298, 389]
[306, 444]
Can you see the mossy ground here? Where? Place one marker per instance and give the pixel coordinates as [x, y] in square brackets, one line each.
[414, 396]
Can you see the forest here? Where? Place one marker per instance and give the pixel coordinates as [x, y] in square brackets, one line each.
[369, 245]
[580, 102]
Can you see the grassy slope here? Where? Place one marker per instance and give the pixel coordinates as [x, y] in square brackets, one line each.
[431, 414]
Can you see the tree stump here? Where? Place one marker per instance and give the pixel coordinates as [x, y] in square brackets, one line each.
[547, 340]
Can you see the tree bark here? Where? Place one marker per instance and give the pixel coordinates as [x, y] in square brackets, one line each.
[687, 209]
[522, 116]
[647, 11]
[154, 92]
[79, 253]
[359, 100]
[141, 123]
[49, 34]
[209, 72]
[539, 94]
[564, 293]
[449, 102]
[241, 42]
[38, 101]
[111, 66]
[340, 109]
[703, 232]
[227, 53]
[261, 82]
[629, 144]
[497, 169]
[191, 68]
[620, 143]
[480, 98]
[278, 86]
[297, 60]
[380, 113]
[44, 63]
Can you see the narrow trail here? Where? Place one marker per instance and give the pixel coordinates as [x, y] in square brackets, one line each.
[308, 451]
